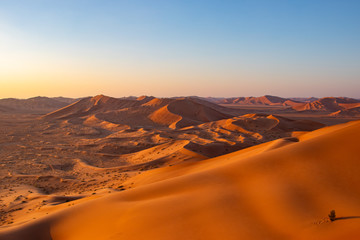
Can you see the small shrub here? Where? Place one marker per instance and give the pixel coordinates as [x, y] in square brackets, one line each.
[332, 215]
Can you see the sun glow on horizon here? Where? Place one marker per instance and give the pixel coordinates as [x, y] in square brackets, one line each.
[175, 49]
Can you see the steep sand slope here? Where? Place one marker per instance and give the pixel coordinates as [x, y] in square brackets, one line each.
[265, 192]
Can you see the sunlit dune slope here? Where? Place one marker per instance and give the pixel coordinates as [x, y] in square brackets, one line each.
[270, 191]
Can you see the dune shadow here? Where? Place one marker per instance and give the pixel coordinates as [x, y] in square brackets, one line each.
[344, 218]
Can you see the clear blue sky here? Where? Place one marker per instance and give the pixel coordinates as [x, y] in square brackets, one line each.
[171, 48]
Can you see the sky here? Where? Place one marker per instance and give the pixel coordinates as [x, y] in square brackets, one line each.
[224, 48]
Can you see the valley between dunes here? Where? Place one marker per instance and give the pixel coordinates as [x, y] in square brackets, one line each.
[281, 189]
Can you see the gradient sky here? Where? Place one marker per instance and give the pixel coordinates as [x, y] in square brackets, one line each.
[174, 48]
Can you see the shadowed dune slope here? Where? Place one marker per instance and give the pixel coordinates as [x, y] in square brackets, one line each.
[264, 192]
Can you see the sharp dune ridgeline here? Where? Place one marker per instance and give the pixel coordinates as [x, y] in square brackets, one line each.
[263, 192]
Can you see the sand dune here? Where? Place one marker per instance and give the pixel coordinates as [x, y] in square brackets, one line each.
[304, 99]
[224, 136]
[264, 192]
[326, 105]
[264, 100]
[330, 104]
[35, 104]
[182, 113]
[144, 111]
[209, 139]
[350, 112]
[79, 152]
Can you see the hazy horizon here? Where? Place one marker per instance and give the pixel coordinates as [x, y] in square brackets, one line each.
[179, 96]
[179, 48]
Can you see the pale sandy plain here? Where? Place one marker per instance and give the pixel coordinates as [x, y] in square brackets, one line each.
[148, 168]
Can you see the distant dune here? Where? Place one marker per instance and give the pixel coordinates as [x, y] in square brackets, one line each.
[350, 112]
[171, 118]
[300, 99]
[65, 100]
[209, 129]
[278, 190]
[327, 104]
[35, 104]
[330, 104]
[264, 100]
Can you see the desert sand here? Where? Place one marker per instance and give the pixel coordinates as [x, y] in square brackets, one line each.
[264, 192]
[180, 168]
